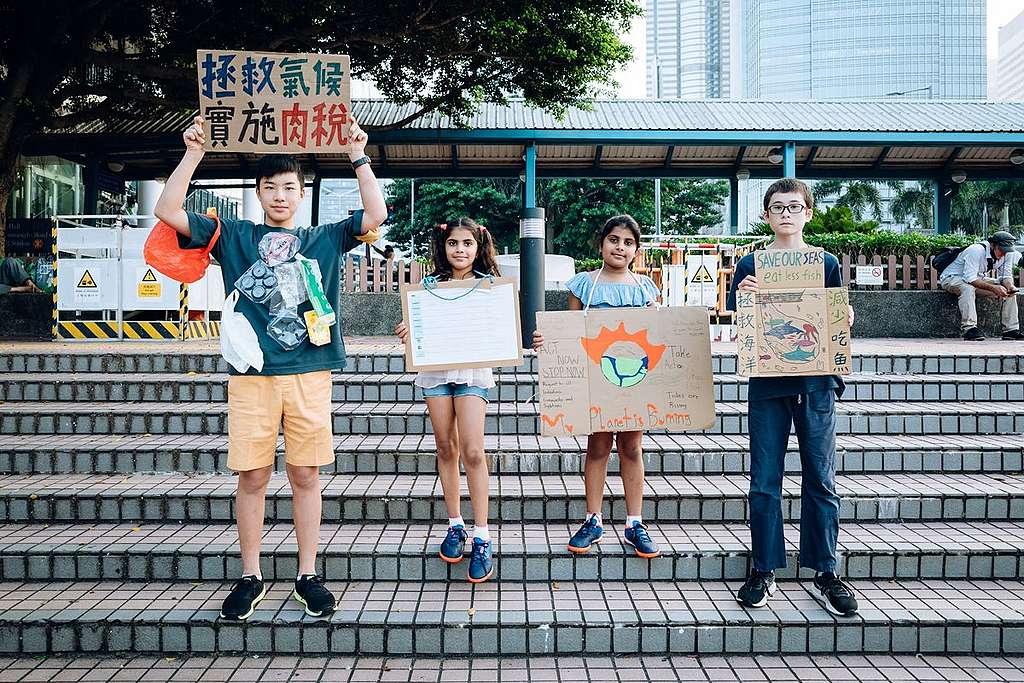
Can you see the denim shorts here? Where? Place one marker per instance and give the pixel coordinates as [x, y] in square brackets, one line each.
[455, 390]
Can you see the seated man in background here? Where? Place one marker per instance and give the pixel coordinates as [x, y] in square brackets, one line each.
[14, 278]
[967, 277]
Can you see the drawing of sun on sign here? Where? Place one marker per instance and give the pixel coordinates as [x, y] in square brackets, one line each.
[625, 369]
[624, 358]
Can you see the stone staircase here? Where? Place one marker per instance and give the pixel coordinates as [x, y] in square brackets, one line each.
[116, 510]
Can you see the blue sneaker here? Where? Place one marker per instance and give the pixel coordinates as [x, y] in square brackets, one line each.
[589, 534]
[453, 547]
[638, 537]
[480, 566]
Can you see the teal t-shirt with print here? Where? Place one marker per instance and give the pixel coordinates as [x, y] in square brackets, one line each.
[238, 248]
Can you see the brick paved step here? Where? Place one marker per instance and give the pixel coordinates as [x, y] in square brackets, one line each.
[530, 552]
[432, 618]
[663, 453]
[547, 498]
[652, 667]
[876, 417]
[894, 356]
[170, 387]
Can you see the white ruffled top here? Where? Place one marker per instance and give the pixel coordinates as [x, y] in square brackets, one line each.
[474, 377]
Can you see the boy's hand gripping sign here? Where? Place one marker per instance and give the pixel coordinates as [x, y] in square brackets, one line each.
[267, 103]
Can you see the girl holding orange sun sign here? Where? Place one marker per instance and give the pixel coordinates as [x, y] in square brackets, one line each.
[614, 285]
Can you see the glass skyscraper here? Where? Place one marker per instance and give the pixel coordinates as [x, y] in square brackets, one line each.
[688, 48]
[864, 49]
[1010, 66]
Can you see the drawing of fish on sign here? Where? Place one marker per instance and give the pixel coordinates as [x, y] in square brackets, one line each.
[790, 338]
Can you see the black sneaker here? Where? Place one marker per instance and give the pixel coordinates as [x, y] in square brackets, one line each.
[310, 591]
[836, 595]
[973, 334]
[1013, 335]
[759, 587]
[245, 595]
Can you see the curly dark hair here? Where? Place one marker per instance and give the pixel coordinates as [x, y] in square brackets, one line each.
[486, 260]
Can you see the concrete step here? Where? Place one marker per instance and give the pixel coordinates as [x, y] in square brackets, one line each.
[523, 552]
[663, 453]
[876, 417]
[509, 618]
[651, 667]
[545, 498]
[887, 356]
[352, 387]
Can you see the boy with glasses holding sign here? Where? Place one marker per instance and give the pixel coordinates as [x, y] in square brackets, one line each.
[774, 404]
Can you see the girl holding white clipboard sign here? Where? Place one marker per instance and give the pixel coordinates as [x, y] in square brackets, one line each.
[457, 399]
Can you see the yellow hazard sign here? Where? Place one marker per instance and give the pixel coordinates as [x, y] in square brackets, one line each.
[702, 275]
[149, 286]
[86, 281]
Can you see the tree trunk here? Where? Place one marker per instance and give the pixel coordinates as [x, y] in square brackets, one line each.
[14, 133]
[10, 149]
[7, 176]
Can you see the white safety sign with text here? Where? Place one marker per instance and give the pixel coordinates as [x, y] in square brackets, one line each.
[87, 284]
[146, 289]
[702, 280]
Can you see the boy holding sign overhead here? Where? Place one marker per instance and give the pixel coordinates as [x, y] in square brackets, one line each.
[288, 276]
[775, 404]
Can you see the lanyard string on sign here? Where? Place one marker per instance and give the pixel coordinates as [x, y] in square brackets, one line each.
[590, 294]
[430, 285]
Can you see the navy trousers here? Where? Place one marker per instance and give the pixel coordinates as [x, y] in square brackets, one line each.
[814, 416]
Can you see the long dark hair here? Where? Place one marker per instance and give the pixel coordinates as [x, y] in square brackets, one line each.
[486, 261]
[623, 221]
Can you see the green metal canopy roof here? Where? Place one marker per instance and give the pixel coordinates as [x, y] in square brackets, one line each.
[700, 138]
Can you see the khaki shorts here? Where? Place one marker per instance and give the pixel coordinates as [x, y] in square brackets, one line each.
[256, 406]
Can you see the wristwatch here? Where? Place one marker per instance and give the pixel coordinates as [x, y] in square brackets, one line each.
[360, 161]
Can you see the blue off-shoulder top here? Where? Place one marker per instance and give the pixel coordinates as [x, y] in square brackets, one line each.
[613, 294]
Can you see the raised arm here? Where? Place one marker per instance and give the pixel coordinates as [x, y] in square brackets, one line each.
[375, 210]
[170, 207]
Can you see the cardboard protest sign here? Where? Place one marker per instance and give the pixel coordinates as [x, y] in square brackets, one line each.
[784, 329]
[625, 369]
[271, 103]
[789, 268]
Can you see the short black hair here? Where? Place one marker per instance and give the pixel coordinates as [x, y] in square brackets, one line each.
[275, 164]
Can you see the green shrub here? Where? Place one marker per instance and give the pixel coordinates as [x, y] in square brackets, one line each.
[585, 264]
[884, 243]
[877, 243]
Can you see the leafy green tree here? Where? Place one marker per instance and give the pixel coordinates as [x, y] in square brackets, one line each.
[493, 203]
[974, 197]
[857, 195]
[577, 208]
[834, 220]
[64, 63]
[914, 202]
[692, 207]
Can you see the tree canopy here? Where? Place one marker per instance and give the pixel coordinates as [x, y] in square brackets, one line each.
[62, 63]
[575, 208]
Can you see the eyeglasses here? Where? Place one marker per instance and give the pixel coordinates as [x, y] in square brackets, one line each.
[779, 209]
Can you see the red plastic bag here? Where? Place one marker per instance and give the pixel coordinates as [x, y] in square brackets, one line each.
[184, 265]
